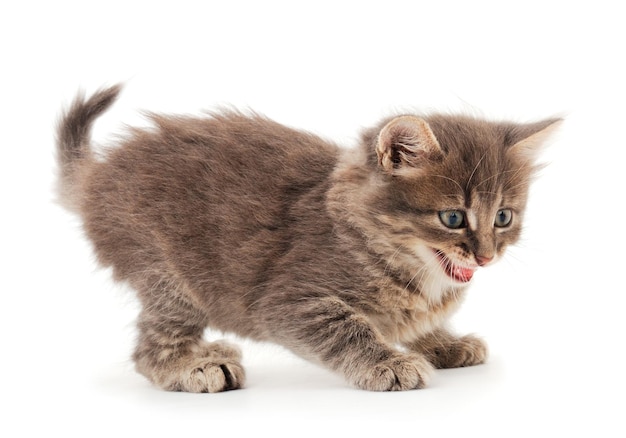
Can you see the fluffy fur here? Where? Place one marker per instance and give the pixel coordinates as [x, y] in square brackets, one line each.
[351, 258]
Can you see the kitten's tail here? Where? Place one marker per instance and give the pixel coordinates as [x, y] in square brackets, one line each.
[73, 138]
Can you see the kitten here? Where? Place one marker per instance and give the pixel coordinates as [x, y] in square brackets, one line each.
[351, 258]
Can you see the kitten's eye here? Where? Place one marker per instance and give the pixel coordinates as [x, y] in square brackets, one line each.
[453, 218]
[503, 218]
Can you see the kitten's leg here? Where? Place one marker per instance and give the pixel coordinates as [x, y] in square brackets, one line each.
[330, 331]
[172, 354]
[444, 350]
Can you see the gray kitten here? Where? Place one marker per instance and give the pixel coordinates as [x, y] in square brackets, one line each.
[351, 258]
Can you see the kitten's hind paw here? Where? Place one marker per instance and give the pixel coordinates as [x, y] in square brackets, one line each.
[205, 367]
[398, 373]
[210, 376]
[214, 367]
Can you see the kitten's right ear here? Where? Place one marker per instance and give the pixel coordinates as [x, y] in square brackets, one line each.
[528, 140]
[406, 142]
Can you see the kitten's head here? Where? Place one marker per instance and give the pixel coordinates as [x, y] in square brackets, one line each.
[450, 191]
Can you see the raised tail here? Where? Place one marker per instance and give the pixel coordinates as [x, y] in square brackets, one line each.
[73, 138]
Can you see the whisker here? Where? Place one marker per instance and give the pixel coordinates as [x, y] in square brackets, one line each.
[475, 169]
[520, 184]
[450, 179]
[512, 179]
[486, 192]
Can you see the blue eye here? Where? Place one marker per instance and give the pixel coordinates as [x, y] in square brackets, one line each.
[453, 218]
[503, 218]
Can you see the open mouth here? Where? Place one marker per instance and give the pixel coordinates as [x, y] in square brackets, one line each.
[461, 274]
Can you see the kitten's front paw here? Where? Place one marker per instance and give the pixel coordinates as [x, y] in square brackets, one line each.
[463, 352]
[399, 373]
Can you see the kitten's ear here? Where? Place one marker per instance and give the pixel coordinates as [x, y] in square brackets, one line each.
[406, 141]
[528, 140]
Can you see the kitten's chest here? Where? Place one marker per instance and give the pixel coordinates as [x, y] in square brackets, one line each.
[403, 316]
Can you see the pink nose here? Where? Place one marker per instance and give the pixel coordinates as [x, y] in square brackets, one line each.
[482, 260]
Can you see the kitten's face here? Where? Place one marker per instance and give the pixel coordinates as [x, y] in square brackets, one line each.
[455, 193]
[463, 217]
[457, 219]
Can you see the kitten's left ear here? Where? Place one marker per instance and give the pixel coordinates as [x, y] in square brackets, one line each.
[528, 140]
[406, 141]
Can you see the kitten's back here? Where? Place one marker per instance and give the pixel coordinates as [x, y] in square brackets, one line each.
[198, 198]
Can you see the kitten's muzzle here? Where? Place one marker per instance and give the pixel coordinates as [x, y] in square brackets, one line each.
[461, 274]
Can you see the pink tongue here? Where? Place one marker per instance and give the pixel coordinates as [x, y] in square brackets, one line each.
[464, 274]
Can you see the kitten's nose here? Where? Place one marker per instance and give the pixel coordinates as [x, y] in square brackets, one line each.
[482, 260]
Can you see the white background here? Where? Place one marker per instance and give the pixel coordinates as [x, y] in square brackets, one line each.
[552, 312]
